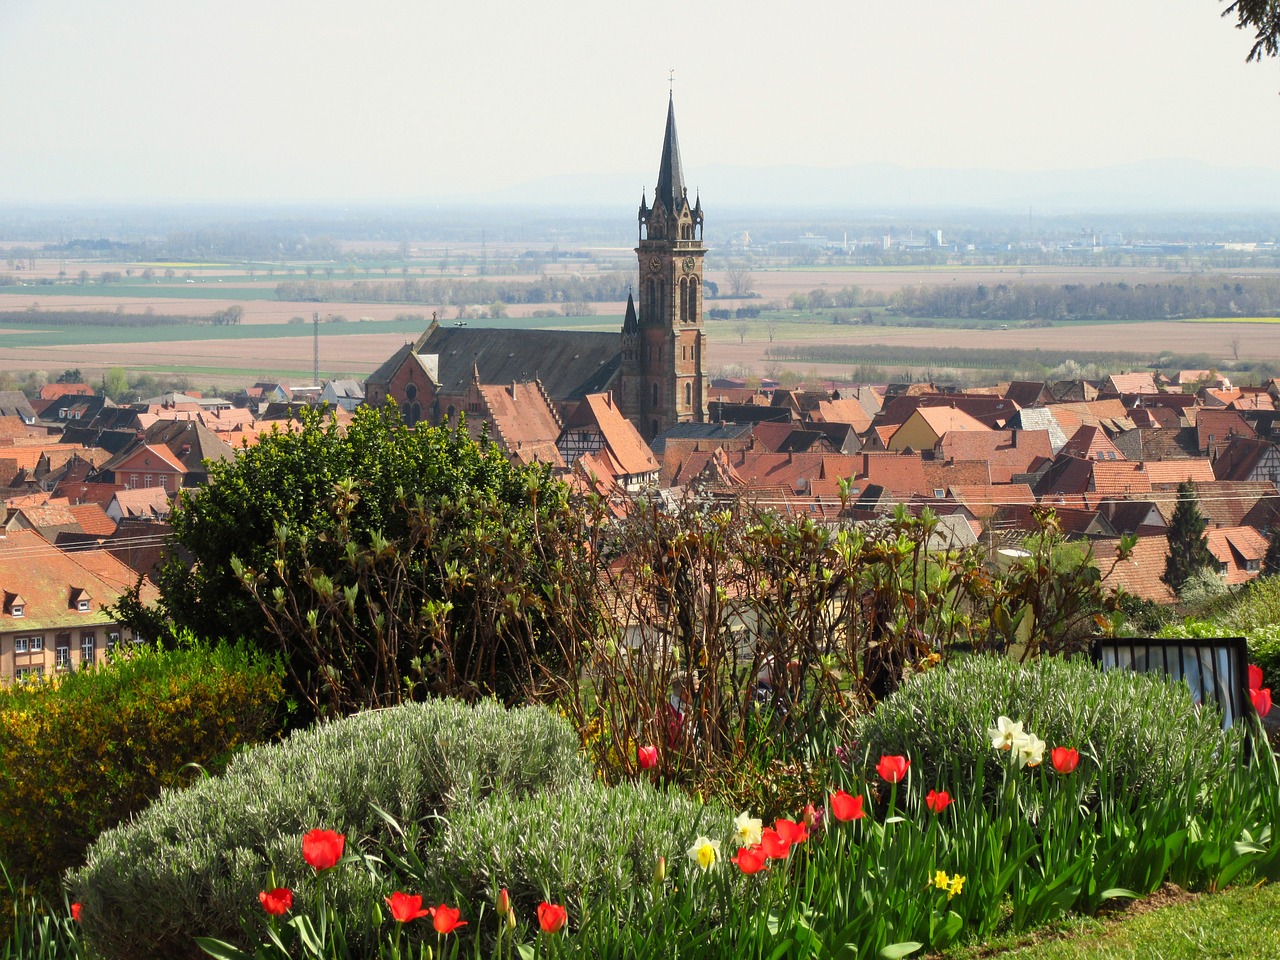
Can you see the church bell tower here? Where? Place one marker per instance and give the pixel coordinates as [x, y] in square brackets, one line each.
[663, 341]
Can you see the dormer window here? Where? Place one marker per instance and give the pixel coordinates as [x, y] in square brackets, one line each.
[17, 610]
[14, 605]
[80, 600]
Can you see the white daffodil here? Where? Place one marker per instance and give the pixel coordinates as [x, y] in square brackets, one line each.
[1005, 734]
[705, 852]
[1030, 750]
[747, 829]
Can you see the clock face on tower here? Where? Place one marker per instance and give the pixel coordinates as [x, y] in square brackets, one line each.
[655, 264]
[689, 264]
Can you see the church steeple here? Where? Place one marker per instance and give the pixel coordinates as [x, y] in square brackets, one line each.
[671, 188]
[662, 381]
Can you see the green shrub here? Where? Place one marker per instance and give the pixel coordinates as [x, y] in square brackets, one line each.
[587, 846]
[1140, 724]
[1252, 612]
[86, 750]
[193, 863]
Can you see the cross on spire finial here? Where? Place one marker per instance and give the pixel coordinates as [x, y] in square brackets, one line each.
[671, 81]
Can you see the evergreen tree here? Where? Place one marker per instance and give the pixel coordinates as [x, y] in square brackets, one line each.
[1188, 545]
[1271, 562]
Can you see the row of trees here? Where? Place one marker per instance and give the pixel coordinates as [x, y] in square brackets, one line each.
[566, 289]
[43, 316]
[1251, 297]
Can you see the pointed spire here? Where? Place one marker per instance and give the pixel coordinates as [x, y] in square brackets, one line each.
[475, 372]
[671, 188]
[630, 323]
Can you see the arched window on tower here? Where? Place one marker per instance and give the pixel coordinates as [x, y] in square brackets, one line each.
[688, 395]
[684, 298]
[693, 299]
[651, 298]
[655, 396]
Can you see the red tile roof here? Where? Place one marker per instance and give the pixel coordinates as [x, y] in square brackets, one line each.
[1132, 383]
[92, 519]
[521, 419]
[1140, 574]
[621, 438]
[142, 502]
[1173, 472]
[1235, 548]
[845, 410]
[1215, 428]
[45, 577]
[1091, 443]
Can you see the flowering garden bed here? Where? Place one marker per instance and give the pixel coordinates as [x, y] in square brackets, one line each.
[1018, 824]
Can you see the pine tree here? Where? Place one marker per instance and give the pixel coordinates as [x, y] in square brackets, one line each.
[1188, 545]
[1271, 562]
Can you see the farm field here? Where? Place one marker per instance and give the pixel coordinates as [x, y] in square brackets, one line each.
[265, 343]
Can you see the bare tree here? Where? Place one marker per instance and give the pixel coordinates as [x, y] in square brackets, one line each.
[741, 329]
[740, 279]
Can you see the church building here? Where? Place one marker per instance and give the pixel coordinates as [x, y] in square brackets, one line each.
[654, 366]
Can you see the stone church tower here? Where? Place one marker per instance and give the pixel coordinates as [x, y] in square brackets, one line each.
[663, 344]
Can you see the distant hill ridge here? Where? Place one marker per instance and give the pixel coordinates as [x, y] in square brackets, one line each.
[1182, 185]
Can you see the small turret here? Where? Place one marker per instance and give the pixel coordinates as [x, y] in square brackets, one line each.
[630, 322]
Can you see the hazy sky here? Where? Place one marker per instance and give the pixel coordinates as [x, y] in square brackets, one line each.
[320, 99]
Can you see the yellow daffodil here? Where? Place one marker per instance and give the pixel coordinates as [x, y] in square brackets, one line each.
[1005, 733]
[941, 880]
[747, 829]
[705, 852]
[957, 884]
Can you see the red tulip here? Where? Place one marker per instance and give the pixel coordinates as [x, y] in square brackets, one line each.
[791, 831]
[504, 902]
[75, 912]
[1255, 677]
[552, 917]
[323, 848]
[1261, 700]
[775, 846]
[845, 807]
[750, 859]
[1064, 759]
[445, 919]
[893, 768]
[406, 907]
[276, 902]
[937, 800]
[647, 757]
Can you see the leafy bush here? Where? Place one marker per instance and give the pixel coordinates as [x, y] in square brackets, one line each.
[383, 561]
[1252, 612]
[1263, 639]
[86, 750]
[1140, 724]
[591, 845]
[190, 863]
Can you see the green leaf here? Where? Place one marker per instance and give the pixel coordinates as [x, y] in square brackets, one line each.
[895, 950]
[223, 951]
[1116, 893]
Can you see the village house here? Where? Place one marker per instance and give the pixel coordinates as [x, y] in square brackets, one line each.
[53, 616]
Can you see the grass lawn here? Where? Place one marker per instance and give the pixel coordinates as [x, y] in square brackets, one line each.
[1242, 922]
